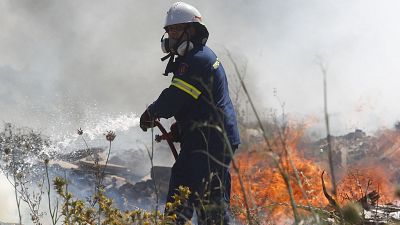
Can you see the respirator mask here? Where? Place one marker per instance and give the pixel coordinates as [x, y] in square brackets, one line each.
[175, 46]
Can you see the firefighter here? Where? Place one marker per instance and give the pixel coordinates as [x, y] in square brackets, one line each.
[198, 99]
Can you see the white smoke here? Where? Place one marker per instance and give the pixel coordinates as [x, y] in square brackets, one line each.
[60, 59]
[8, 212]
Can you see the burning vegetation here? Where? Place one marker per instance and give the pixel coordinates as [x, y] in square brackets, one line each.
[273, 183]
[367, 170]
[267, 190]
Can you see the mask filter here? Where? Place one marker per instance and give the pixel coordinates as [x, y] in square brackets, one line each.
[184, 47]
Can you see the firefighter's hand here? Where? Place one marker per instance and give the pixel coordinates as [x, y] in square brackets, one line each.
[175, 133]
[146, 121]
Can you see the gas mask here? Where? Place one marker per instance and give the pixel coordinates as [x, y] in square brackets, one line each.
[175, 46]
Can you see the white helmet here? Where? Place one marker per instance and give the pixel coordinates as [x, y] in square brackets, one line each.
[181, 12]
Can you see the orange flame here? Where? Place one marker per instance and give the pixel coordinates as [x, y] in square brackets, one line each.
[267, 191]
[266, 188]
[263, 181]
[361, 181]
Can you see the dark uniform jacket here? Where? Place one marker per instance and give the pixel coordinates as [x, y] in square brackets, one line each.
[197, 97]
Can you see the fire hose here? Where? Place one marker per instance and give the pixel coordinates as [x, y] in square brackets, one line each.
[166, 136]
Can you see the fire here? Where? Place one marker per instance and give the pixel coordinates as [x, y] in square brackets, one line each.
[377, 171]
[267, 192]
[264, 184]
[363, 180]
[266, 188]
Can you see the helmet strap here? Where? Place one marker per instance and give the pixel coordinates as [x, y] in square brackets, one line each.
[170, 65]
[167, 56]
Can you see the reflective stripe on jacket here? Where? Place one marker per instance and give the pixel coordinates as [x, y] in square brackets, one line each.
[198, 94]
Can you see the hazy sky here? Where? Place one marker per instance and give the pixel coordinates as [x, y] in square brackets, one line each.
[65, 62]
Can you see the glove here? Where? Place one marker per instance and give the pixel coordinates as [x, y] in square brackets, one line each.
[175, 133]
[146, 121]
